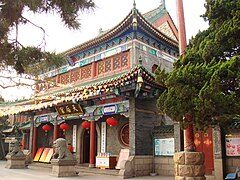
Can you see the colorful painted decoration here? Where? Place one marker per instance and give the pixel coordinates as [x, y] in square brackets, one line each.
[86, 125]
[112, 121]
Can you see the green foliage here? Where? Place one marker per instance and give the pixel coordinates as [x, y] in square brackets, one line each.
[12, 52]
[206, 81]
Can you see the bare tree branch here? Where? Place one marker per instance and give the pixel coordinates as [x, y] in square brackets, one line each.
[44, 32]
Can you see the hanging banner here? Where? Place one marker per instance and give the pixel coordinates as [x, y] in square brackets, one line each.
[103, 137]
[74, 138]
[69, 109]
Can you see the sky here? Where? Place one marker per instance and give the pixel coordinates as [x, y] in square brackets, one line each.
[106, 15]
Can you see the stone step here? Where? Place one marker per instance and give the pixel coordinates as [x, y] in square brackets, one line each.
[113, 172]
[81, 168]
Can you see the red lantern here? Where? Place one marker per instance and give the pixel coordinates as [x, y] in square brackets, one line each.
[46, 128]
[112, 121]
[64, 127]
[86, 125]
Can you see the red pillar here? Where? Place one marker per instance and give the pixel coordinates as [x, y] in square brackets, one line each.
[188, 138]
[181, 28]
[34, 144]
[188, 133]
[55, 132]
[92, 143]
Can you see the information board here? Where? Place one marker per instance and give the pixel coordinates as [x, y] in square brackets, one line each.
[44, 154]
[164, 146]
[49, 156]
[232, 145]
[38, 154]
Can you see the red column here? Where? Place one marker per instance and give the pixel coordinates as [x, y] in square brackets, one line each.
[181, 28]
[34, 144]
[55, 132]
[92, 143]
[188, 133]
[188, 138]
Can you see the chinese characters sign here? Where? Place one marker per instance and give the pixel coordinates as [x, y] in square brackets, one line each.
[103, 137]
[69, 110]
[164, 146]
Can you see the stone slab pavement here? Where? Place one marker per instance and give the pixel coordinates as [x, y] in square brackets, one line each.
[42, 173]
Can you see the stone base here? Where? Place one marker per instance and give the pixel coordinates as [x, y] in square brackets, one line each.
[16, 163]
[63, 168]
[189, 166]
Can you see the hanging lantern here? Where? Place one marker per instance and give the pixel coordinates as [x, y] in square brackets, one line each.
[46, 128]
[86, 125]
[112, 121]
[64, 127]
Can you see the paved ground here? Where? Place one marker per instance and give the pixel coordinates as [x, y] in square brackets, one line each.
[42, 173]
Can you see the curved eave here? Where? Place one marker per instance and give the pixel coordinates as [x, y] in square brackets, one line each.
[102, 38]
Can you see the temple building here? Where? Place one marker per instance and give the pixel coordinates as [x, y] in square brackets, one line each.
[103, 101]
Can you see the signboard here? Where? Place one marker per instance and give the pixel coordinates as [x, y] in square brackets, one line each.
[38, 154]
[49, 156]
[45, 118]
[74, 138]
[109, 109]
[232, 145]
[103, 136]
[44, 154]
[164, 146]
[69, 109]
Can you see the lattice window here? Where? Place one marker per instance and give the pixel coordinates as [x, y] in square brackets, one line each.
[124, 60]
[108, 64]
[116, 63]
[75, 75]
[65, 78]
[86, 72]
[100, 67]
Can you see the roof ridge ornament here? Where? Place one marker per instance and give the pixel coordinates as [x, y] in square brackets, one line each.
[134, 4]
[162, 4]
[134, 13]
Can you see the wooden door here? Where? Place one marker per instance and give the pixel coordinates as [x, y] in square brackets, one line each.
[204, 143]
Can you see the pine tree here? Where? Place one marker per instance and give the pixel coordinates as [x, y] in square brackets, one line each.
[21, 58]
[206, 81]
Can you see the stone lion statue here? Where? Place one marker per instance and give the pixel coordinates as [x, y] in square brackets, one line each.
[61, 150]
[14, 149]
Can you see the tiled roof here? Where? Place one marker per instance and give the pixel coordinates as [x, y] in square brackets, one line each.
[155, 14]
[123, 25]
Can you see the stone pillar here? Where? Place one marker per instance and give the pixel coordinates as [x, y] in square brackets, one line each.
[55, 132]
[177, 137]
[132, 127]
[218, 154]
[92, 143]
[34, 144]
[189, 165]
